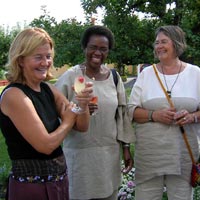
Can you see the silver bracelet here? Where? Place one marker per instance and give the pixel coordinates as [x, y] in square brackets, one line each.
[195, 118]
[82, 111]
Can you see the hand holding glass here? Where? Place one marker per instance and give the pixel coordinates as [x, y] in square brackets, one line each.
[93, 105]
[79, 85]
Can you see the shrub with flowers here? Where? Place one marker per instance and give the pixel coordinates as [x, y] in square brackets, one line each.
[3, 180]
[127, 188]
[196, 195]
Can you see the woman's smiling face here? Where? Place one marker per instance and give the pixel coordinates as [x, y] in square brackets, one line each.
[97, 50]
[164, 47]
[36, 65]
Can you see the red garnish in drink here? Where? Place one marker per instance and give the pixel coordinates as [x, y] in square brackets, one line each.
[81, 79]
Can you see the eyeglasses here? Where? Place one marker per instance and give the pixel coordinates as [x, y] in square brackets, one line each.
[162, 42]
[95, 48]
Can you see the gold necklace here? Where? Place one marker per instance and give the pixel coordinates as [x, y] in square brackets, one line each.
[169, 92]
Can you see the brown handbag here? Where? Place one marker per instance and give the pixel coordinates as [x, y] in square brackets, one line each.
[195, 173]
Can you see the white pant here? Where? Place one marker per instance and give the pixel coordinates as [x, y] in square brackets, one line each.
[177, 188]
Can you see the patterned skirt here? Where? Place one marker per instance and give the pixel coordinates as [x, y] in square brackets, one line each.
[38, 180]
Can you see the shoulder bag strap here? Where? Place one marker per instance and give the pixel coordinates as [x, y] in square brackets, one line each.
[172, 106]
[115, 78]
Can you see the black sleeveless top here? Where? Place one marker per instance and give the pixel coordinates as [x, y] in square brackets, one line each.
[44, 103]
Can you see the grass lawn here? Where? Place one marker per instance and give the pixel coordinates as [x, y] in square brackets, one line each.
[4, 159]
[4, 164]
[1, 88]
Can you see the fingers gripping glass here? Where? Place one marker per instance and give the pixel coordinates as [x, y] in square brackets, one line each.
[79, 85]
[94, 101]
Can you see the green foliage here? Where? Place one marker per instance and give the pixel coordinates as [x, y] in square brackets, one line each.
[134, 37]
[4, 46]
[66, 35]
[4, 173]
[196, 195]
[2, 73]
[52, 81]
[5, 166]
[6, 38]
[1, 88]
[124, 78]
[128, 91]
[5, 163]
[67, 39]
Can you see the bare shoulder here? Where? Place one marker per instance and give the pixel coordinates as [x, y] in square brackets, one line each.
[12, 99]
[12, 94]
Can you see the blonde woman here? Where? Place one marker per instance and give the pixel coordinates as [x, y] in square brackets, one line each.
[30, 113]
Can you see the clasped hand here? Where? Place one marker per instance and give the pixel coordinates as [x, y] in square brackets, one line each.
[183, 117]
[171, 116]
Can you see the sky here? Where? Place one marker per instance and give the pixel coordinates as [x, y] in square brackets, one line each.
[24, 11]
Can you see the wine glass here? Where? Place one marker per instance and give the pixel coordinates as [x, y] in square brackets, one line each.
[79, 85]
[94, 100]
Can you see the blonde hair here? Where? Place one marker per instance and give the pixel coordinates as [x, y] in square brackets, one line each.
[23, 45]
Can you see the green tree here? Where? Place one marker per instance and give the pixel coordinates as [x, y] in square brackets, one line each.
[66, 35]
[67, 39]
[184, 13]
[45, 21]
[134, 37]
[4, 46]
[6, 37]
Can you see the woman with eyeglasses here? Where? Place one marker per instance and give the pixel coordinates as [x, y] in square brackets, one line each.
[93, 159]
[161, 156]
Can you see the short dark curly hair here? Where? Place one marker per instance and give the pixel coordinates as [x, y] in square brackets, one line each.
[97, 30]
